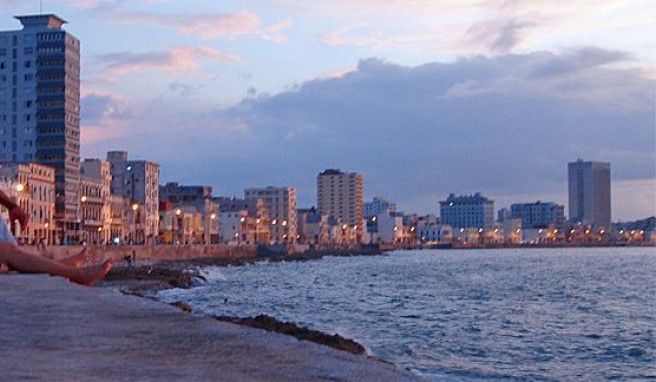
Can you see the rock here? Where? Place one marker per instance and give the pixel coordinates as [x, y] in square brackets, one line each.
[272, 324]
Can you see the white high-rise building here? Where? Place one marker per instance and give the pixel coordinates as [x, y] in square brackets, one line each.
[40, 107]
[339, 195]
[589, 193]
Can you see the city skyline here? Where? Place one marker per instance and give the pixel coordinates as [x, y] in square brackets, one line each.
[499, 102]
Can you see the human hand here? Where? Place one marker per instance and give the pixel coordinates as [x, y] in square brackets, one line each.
[17, 213]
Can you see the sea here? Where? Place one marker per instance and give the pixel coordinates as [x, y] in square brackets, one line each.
[547, 314]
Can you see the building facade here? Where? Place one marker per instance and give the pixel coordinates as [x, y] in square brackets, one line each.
[137, 181]
[378, 206]
[281, 205]
[33, 187]
[538, 215]
[467, 211]
[40, 108]
[198, 199]
[589, 193]
[95, 207]
[340, 195]
[312, 227]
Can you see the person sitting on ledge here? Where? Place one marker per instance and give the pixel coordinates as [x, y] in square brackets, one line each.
[25, 262]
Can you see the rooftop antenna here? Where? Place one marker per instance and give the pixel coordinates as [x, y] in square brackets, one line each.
[40, 7]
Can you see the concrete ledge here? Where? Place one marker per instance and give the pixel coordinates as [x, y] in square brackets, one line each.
[52, 330]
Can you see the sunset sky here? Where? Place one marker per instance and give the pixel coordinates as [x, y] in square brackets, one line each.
[423, 97]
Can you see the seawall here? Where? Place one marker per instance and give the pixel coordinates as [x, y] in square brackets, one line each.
[151, 253]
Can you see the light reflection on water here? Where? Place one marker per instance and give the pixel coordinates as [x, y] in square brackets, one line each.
[577, 313]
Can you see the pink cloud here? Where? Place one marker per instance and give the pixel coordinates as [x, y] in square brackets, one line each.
[204, 26]
[220, 26]
[175, 60]
[275, 32]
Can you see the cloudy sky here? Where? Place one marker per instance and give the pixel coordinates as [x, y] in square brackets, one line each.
[423, 97]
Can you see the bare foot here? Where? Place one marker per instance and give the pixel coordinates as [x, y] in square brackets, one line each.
[92, 274]
[77, 260]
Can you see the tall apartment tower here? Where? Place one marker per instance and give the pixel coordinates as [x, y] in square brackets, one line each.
[339, 194]
[281, 203]
[589, 193]
[40, 107]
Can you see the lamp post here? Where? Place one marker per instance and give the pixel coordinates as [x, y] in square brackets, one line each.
[19, 187]
[83, 217]
[178, 214]
[135, 217]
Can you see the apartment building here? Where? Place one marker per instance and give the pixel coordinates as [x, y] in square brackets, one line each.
[40, 108]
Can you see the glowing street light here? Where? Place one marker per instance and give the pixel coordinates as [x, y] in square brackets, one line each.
[19, 187]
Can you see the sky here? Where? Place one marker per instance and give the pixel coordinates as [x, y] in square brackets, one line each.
[422, 97]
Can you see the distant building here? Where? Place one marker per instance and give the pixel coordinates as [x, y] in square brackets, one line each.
[197, 199]
[95, 205]
[281, 204]
[378, 206]
[467, 211]
[538, 215]
[429, 232]
[589, 193]
[244, 221]
[32, 186]
[137, 181]
[40, 108]
[504, 214]
[177, 194]
[312, 227]
[340, 195]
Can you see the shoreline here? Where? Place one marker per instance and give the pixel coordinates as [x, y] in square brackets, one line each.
[146, 280]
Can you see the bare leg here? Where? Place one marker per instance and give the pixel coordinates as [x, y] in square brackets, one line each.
[26, 262]
[78, 259]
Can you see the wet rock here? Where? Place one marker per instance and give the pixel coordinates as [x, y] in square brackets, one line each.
[272, 324]
[183, 306]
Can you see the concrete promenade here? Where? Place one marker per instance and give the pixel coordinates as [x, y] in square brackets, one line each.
[52, 330]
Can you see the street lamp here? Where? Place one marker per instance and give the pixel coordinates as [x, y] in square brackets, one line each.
[135, 220]
[178, 213]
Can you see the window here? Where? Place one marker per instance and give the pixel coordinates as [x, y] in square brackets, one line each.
[28, 64]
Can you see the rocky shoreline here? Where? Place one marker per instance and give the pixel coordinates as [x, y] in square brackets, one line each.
[146, 280]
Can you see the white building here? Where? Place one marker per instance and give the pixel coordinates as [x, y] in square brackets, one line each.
[390, 228]
[137, 181]
[467, 211]
[340, 195]
[378, 206]
[281, 205]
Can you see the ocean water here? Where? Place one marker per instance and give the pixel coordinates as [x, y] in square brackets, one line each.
[579, 314]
